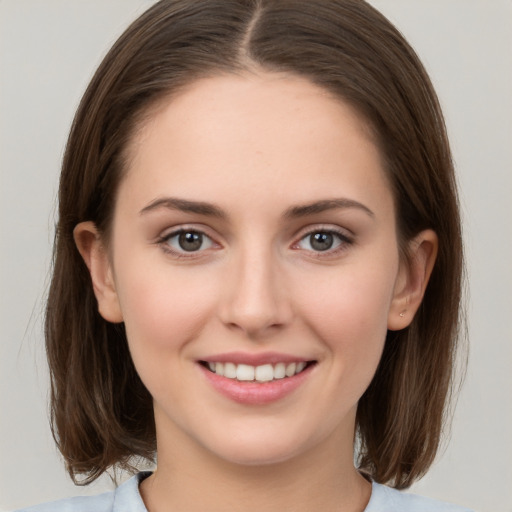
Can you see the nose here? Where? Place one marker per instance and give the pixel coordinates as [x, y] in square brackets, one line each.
[255, 299]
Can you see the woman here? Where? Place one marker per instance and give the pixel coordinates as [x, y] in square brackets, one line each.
[258, 261]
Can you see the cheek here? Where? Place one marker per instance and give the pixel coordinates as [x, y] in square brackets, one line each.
[163, 308]
[349, 313]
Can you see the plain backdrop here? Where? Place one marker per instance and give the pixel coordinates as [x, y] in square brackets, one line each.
[49, 50]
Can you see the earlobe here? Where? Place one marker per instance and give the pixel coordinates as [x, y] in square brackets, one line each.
[412, 279]
[95, 256]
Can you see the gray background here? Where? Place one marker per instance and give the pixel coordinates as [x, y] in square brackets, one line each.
[48, 51]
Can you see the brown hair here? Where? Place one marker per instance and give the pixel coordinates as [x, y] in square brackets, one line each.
[102, 414]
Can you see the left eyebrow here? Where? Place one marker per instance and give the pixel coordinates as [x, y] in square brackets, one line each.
[325, 205]
[184, 205]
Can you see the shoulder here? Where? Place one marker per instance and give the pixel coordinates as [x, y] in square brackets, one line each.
[386, 499]
[126, 498]
[100, 503]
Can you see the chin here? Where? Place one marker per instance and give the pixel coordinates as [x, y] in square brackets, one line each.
[264, 450]
[258, 457]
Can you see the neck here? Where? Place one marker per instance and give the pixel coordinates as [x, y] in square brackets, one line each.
[189, 479]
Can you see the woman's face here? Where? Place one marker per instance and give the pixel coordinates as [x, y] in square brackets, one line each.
[254, 262]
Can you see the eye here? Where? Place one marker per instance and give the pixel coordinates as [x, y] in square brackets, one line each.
[323, 241]
[187, 241]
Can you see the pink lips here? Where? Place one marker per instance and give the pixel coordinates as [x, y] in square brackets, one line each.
[251, 392]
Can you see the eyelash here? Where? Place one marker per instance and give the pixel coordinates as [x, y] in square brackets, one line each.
[343, 242]
[165, 240]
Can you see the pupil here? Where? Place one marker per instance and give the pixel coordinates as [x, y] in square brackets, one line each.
[321, 241]
[190, 241]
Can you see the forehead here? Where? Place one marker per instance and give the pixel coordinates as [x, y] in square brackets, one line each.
[274, 132]
[267, 99]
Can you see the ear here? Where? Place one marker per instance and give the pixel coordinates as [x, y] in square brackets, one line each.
[412, 279]
[92, 250]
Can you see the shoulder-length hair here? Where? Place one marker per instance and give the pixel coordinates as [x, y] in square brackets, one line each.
[102, 414]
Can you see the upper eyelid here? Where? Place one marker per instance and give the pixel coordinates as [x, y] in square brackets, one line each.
[180, 228]
[170, 233]
[325, 228]
[342, 237]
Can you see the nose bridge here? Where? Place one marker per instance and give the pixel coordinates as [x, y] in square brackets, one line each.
[256, 299]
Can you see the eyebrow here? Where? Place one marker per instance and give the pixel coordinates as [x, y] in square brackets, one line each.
[211, 210]
[184, 205]
[325, 205]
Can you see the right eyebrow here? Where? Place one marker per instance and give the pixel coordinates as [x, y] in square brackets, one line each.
[184, 205]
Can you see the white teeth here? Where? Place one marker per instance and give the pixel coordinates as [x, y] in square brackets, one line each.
[290, 369]
[230, 370]
[300, 367]
[244, 372]
[262, 373]
[279, 371]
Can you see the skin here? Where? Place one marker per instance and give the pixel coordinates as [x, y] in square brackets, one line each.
[257, 147]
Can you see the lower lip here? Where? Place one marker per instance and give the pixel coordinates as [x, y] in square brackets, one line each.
[256, 393]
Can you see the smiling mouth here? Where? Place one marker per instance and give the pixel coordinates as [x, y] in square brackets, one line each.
[261, 373]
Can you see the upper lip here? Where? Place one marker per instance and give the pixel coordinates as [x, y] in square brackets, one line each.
[254, 359]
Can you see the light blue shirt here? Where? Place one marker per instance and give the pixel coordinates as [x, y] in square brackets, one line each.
[126, 498]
